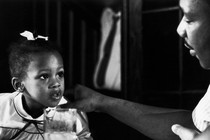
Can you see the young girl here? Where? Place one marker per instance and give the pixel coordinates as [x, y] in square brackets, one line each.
[37, 73]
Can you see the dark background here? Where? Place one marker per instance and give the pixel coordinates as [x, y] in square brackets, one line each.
[157, 68]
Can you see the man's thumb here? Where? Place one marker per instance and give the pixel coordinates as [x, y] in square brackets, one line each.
[183, 133]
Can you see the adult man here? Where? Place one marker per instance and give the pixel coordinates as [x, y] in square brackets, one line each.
[156, 122]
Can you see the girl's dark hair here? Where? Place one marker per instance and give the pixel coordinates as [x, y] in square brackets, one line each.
[20, 54]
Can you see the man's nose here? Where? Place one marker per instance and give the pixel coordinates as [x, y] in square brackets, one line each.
[181, 29]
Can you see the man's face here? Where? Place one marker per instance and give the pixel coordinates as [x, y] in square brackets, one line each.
[194, 28]
[44, 82]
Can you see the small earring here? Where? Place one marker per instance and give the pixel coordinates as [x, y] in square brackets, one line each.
[21, 88]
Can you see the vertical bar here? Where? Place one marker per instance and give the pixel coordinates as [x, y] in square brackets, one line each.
[34, 13]
[95, 45]
[59, 23]
[83, 50]
[47, 17]
[180, 65]
[71, 48]
[124, 41]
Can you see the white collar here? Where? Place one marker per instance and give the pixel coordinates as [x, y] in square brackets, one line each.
[20, 110]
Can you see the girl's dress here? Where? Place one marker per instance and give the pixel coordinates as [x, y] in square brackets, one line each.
[16, 124]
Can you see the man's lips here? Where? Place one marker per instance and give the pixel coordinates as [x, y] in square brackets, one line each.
[188, 46]
[192, 51]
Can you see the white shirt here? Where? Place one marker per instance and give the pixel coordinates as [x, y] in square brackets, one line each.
[201, 113]
[113, 73]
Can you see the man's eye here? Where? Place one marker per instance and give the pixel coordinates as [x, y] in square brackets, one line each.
[188, 21]
[44, 76]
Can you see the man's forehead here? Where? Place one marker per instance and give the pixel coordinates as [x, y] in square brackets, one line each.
[189, 6]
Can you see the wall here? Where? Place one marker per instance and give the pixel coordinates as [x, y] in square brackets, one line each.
[15, 17]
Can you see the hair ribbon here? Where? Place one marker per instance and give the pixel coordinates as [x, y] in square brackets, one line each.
[30, 36]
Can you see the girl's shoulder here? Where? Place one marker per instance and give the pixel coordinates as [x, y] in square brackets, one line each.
[5, 97]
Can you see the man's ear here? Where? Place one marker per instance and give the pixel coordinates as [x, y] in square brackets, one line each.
[16, 83]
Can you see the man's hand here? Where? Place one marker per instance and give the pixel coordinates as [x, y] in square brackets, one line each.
[186, 133]
[85, 99]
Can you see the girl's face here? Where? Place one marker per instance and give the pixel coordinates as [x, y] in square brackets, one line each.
[44, 81]
[194, 28]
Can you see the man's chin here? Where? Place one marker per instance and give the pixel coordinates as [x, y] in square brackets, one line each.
[205, 66]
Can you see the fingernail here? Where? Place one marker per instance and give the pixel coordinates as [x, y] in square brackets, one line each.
[174, 127]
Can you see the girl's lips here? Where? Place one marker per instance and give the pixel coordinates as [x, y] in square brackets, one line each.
[56, 95]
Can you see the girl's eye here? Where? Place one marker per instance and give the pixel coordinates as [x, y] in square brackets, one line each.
[61, 74]
[44, 76]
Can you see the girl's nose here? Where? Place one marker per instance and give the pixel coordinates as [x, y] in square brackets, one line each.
[55, 84]
[181, 29]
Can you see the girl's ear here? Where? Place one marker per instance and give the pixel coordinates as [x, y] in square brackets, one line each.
[16, 83]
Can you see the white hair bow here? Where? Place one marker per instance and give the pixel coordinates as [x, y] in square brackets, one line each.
[30, 36]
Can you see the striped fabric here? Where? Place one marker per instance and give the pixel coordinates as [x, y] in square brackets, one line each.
[201, 114]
